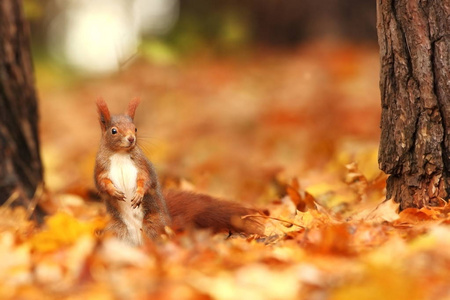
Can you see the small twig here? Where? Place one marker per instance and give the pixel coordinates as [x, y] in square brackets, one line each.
[39, 192]
[273, 218]
[13, 197]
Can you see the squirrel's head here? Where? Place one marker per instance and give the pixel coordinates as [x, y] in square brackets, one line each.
[118, 131]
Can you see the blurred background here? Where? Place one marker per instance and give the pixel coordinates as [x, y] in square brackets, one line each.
[238, 96]
[102, 36]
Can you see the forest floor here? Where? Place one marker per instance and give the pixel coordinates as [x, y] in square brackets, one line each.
[292, 132]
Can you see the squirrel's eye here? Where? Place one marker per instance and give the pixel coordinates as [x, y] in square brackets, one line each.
[114, 131]
[135, 130]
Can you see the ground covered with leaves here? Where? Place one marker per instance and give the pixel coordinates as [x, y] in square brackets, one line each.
[292, 132]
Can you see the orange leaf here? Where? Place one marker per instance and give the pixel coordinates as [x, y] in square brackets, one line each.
[302, 199]
[415, 215]
[296, 198]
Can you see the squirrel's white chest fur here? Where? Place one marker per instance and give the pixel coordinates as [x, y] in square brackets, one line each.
[123, 174]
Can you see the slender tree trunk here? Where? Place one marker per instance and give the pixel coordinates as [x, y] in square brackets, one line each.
[20, 163]
[414, 39]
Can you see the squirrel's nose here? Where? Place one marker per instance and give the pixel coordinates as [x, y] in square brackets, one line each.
[131, 139]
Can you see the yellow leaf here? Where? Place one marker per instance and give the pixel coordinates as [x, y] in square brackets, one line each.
[307, 219]
[63, 230]
[381, 282]
[385, 211]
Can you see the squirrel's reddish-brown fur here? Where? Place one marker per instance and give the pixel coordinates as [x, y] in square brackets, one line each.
[128, 183]
[194, 210]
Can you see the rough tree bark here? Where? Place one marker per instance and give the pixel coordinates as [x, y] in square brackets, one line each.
[20, 163]
[414, 40]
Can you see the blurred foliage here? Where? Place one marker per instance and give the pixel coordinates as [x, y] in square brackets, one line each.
[231, 27]
[272, 22]
[201, 28]
[33, 9]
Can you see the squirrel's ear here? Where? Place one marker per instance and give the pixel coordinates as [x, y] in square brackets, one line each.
[132, 107]
[103, 113]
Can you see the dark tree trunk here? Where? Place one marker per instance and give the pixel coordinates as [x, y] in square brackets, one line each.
[20, 163]
[414, 39]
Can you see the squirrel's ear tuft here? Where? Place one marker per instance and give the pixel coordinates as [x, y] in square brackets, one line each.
[132, 107]
[103, 113]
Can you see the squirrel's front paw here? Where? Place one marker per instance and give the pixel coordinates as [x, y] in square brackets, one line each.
[137, 200]
[118, 195]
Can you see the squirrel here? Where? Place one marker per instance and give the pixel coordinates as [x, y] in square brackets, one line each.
[129, 186]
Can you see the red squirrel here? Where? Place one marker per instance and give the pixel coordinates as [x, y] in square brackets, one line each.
[128, 184]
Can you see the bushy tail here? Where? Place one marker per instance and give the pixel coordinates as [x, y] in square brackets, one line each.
[189, 209]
